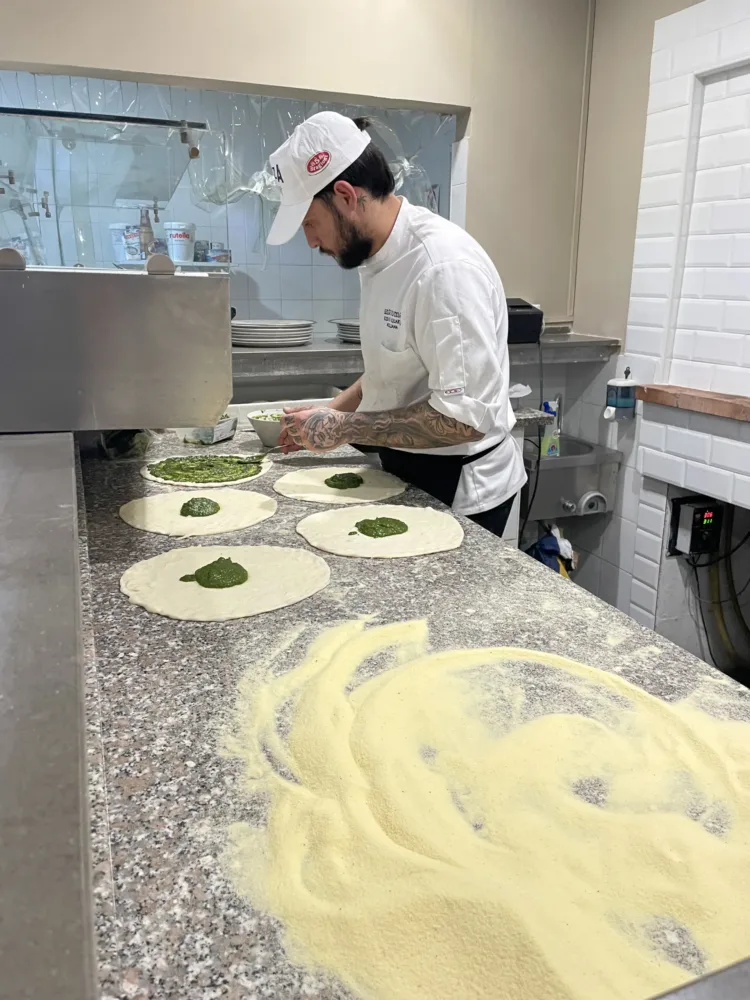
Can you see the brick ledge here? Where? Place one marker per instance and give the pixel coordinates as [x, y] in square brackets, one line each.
[717, 404]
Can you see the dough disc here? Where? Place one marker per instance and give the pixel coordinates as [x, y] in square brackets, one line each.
[429, 531]
[309, 484]
[265, 465]
[161, 513]
[278, 577]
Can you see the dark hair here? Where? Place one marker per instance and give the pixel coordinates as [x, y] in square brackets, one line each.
[369, 171]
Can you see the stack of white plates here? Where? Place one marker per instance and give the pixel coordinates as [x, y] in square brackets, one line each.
[348, 330]
[271, 332]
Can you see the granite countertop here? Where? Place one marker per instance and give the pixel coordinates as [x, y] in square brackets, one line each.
[168, 922]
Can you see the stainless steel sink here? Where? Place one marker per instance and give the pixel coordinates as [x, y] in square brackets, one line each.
[581, 479]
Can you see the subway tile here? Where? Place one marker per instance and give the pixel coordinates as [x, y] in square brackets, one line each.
[665, 158]
[667, 468]
[688, 444]
[696, 55]
[351, 284]
[706, 423]
[588, 572]
[646, 571]
[642, 369]
[710, 251]
[629, 489]
[668, 415]
[693, 280]
[719, 348]
[669, 31]
[670, 93]
[651, 281]
[618, 543]
[642, 617]
[691, 374]
[705, 479]
[700, 218]
[727, 283]
[724, 150]
[650, 519]
[653, 435]
[614, 586]
[735, 41]
[734, 381]
[684, 341]
[656, 252]
[659, 221]
[718, 183]
[740, 248]
[738, 81]
[664, 189]
[325, 310]
[741, 493]
[643, 596]
[647, 545]
[646, 340]
[731, 216]
[648, 312]
[737, 317]
[296, 281]
[661, 65]
[714, 15]
[725, 116]
[715, 89]
[654, 492]
[731, 455]
[700, 315]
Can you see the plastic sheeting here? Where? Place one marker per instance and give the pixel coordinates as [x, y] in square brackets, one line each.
[243, 130]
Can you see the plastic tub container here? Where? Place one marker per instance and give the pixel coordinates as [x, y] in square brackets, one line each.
[180, 240]
[126, 242]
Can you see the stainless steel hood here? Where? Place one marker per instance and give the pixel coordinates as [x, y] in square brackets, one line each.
[102, 350]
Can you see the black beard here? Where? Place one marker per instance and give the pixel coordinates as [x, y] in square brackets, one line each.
[356, 247]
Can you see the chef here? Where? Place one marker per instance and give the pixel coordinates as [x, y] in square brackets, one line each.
[433, 398]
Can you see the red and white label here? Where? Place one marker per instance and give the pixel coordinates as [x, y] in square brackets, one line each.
[318, 162]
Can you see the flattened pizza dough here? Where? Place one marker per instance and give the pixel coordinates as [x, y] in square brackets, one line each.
[428, 531]
[277, 577]
[161, 513]
[265, 465]
[309, 484]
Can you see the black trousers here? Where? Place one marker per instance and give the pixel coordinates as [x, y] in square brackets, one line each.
[439, 476]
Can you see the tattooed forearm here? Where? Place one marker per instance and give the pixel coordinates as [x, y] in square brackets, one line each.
[418, 426]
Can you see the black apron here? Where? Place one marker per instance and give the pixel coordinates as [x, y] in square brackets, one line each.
[437, 475]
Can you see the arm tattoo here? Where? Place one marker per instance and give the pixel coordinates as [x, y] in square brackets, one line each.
[417, 426]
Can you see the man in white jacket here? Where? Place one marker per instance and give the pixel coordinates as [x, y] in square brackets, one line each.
[433, 324]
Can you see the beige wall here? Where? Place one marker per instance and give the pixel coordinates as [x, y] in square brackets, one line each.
[520, 66]
[405, 50]
[527, 102]
[620, 73]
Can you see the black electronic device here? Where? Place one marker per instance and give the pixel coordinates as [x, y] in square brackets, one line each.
[525, 322]
[696, 526]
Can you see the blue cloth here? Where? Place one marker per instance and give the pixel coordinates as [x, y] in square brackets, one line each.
[547, 551]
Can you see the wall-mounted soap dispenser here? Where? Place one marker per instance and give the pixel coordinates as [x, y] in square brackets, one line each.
[621, 398]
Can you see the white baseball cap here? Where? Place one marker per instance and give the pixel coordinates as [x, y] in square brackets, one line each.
[318, 150]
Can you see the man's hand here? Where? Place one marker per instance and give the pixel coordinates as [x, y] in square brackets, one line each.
[319, 429]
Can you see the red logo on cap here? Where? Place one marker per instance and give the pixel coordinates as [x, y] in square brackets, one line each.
[317, 162]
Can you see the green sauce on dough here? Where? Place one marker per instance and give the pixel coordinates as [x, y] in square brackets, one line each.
[217, 575]
[380, 527]
[344, 481]
[207, 468]
[199, 507]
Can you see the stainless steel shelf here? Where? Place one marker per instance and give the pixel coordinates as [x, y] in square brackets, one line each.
[328, 356]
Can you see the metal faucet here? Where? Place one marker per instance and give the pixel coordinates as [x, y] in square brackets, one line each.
[559, 401]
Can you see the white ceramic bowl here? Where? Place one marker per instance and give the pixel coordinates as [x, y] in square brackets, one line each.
[267, 430]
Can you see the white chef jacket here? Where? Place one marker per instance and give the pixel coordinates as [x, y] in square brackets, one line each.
[434, 326]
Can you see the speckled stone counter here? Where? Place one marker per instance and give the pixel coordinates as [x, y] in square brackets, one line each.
[169, 924]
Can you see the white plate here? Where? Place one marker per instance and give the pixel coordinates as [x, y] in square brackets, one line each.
[271, 324]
